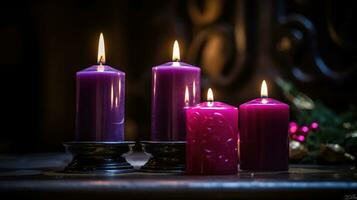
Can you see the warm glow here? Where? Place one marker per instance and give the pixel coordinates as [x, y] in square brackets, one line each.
[264, 90]
[209, 95]
[187, 96]
[176, 52]
[101, 50]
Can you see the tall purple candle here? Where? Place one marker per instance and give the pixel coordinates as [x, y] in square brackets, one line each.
[169, 83]
[100, 102]
[263, 126]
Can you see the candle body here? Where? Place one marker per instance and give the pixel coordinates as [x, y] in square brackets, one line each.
[169, 83]
[212, 137]
[263, 131]
[100, 104]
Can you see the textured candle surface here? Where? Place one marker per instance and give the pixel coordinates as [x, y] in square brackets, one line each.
[100, 104]
[263, 131]
[212, 136]
[169, 83]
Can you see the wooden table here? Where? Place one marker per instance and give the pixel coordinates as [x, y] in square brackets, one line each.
[37, 176]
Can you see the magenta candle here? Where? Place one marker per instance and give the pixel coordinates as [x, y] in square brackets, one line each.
[169, 83]
[263, 131]
[212, 137]
[100, 102]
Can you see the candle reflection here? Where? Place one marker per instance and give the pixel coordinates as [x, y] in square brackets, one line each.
[119, 94]
[194, 91]
[111, 96]
[187, 97]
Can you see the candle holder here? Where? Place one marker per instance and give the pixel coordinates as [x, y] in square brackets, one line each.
[166, 156]
[99, 157]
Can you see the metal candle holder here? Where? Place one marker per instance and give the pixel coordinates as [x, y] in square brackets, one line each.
[99, 157]
[166, 156]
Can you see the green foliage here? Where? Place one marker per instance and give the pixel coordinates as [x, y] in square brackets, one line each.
[333, 128]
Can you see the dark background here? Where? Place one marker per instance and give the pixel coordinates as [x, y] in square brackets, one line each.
[236, 43]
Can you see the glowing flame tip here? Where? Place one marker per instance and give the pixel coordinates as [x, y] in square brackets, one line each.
[176, 52]
[264, 90]
[101, 50]
[209, 95]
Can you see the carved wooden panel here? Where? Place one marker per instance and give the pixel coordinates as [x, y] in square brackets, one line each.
[310, 43]
[314, 45]
[223, 44]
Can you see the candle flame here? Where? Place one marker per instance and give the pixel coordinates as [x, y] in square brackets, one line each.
[209, 95]
[101, 50]
[176, 52]
[187, 96]
[264, 90]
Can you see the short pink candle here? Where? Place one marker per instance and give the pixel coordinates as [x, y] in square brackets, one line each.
[212, 137]
[263, 132]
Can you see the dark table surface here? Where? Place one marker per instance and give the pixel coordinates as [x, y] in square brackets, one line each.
[38, 176]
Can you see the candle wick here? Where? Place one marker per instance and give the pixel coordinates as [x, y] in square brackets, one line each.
[101, 60]
[210, 102]
[176, 63]
[100, 67]
[264, 100]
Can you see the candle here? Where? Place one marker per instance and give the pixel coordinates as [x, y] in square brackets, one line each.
[263, 126]
[212, 137]
[100, 101]
[170, 81]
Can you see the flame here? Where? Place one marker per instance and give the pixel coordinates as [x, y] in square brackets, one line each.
[176, 52]
[209, 95]
[101, 50]
[187, 96]
[264, 90]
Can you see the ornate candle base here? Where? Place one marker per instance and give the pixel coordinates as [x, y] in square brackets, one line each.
[166, 156]
[98, 157]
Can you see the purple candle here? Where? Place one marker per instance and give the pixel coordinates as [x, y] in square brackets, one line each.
[263, 126]
[212, 138]
[169, 83]
[100, 101]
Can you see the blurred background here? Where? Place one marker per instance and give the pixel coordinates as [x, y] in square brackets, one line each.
[237, 43]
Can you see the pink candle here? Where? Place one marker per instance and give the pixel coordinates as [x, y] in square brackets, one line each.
[212, 134]
[263, 131]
